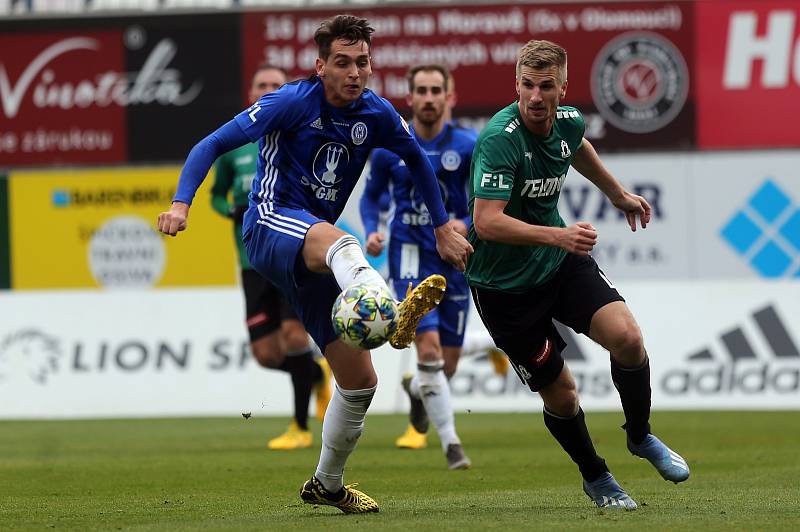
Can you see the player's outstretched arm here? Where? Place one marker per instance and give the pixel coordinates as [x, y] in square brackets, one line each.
[588, 163]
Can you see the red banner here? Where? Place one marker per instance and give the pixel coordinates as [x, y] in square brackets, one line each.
[749, 72]
[629, 62]
[60, 98]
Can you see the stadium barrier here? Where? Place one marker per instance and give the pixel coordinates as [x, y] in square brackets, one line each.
[183, 353]
[713, 282]
[95, 228]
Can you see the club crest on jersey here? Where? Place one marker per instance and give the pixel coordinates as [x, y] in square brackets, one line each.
[451, 160]
[565, 149]
[358, 133]
[330, 162]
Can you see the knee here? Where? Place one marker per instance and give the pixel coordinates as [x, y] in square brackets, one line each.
[266, 356]
[356, 378]
[628, 346]
[295, 339]
[429, 352]
[562, 399]
[450, 367]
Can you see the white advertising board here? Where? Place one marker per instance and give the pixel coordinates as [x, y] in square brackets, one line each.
[715, 215]
[183, 352]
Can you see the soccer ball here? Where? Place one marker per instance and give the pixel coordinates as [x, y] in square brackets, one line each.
[364, 316]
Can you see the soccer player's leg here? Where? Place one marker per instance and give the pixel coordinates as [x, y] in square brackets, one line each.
[316, 375]
[264, 325]
[281, 246]
[344, 422]
[416, 435]
[611, 324]
[615, 329]
[521, 325]
[452, 314]
[356, 382]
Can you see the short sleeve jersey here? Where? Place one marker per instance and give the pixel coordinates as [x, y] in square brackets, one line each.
[449, 153]
[510, 163]
[311, 154]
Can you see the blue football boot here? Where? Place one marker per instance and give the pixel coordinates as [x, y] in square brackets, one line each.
[667, 462]
[606, 493]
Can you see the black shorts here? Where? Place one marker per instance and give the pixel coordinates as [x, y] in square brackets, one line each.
[522, 324]
[266, 307]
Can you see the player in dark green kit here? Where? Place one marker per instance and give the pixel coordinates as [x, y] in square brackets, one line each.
[530, 268]
[277, 337]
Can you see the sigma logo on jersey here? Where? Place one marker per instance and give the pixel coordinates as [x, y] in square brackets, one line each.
[421, 216]
[451, 160]
[536, 188]
[358, 133]
[639, 82]
[329, 165]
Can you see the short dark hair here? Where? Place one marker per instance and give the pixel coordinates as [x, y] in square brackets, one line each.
[267, 66]
[435, 67]
[348, 27]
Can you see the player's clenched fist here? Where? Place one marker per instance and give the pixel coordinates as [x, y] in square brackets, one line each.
[579, 238]
[173, 220]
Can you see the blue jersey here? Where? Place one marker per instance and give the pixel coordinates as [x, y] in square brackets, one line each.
[312, 153]
[450, 154]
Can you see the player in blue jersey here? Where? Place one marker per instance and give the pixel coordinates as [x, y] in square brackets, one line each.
[412, 252]
[277, 338]
[314, 138]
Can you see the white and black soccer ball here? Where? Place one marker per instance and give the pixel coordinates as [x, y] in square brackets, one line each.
[364, 316]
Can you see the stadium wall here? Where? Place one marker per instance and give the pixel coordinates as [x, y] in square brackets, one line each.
[713, 282]
[653, 75]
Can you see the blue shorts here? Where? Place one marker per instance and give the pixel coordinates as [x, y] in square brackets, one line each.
[274, 239]
[410, 262]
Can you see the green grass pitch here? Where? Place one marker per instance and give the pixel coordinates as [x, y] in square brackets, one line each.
[190, 474]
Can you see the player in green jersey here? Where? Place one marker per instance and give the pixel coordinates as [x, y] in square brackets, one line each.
[277, 337]
[530, 268]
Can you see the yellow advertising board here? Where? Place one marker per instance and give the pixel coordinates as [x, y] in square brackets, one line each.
[84, 228]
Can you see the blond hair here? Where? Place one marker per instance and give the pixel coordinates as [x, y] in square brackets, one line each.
[541, 55]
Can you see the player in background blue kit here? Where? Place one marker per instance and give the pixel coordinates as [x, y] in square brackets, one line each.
[412, 252]
[314, 138]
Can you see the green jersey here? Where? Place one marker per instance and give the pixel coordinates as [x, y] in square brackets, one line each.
[510, 163]
[234, 175]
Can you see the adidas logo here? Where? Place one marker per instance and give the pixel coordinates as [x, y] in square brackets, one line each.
[739, 369]
[512, 126]
[317, 124]
[567, 114]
